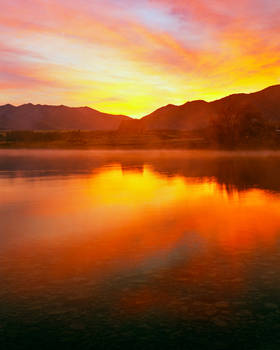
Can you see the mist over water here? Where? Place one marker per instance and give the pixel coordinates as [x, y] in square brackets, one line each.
[139, 249]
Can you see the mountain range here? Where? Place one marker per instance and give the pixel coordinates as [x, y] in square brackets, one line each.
[189, 116]
[44, 117]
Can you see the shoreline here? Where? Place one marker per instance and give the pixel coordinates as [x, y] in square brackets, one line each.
[152, 147]
[240, 152]
[111, 140]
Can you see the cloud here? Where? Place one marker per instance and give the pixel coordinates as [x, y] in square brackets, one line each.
[130, 57]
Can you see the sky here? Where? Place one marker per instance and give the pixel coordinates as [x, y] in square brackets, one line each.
[134, 56]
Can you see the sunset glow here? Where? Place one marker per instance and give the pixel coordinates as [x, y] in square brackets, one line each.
[134, 218]
[131, 57]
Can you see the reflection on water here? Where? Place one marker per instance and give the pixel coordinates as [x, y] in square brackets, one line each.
[140, 250]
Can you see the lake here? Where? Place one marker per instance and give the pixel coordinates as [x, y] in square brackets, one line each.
[139, 250]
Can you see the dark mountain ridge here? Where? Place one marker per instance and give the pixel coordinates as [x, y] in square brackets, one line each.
[191, 115]
[45, 117]
[198, 114]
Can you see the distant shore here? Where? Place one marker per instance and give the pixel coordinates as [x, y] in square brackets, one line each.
[83, 139]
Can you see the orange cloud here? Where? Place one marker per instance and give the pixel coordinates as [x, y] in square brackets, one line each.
[129, 58]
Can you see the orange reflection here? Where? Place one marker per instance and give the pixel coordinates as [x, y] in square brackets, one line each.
[115, 223]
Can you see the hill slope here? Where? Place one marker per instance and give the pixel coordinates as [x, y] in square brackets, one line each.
[189, 116]
[198, 114]
[43, 117]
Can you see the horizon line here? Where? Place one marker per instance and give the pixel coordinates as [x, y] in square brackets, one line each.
[140, 117]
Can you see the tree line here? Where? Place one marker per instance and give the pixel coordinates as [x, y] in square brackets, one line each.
[244, 128]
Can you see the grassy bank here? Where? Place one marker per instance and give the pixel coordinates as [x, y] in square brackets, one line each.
[127, 140]
[101, 139]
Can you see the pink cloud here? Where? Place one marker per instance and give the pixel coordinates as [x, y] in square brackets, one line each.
[210, 43]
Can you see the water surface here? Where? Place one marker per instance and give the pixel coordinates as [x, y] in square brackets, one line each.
[139, 250]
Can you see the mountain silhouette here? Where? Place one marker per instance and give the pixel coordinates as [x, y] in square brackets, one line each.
[44, 117]
[189, 116]
[198, 114]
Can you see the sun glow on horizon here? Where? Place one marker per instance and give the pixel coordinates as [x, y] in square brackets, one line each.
[125, 57]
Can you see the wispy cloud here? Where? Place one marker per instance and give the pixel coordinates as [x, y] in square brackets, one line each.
[124, 56]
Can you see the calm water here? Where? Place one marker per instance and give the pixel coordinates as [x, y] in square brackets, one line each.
[139, 250]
